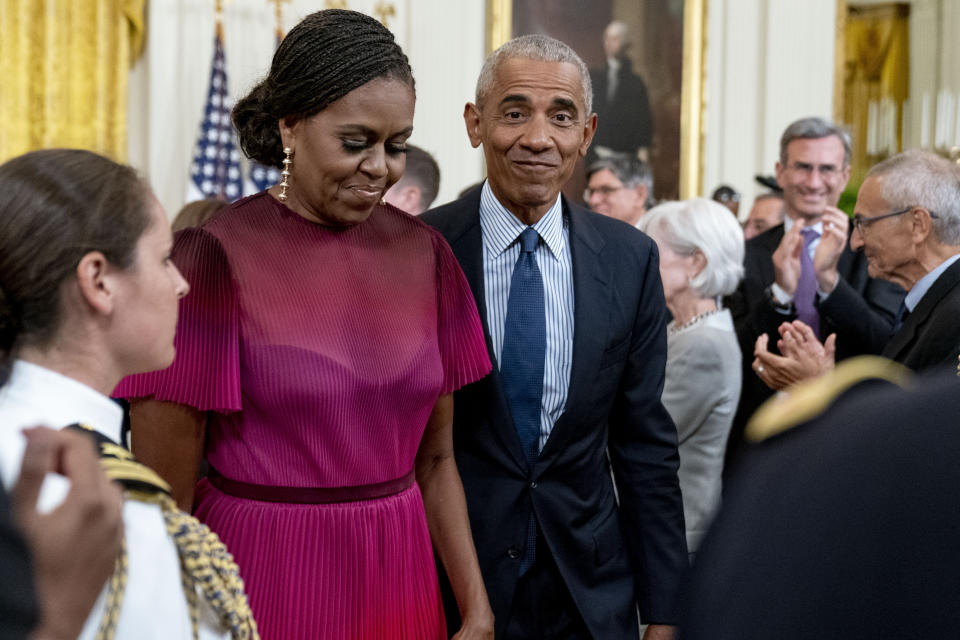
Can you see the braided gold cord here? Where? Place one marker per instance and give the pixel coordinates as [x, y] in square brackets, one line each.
[116, 587]
[206, 563]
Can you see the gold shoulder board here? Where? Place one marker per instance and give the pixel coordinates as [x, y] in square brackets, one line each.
[120, 465]
[809, 399]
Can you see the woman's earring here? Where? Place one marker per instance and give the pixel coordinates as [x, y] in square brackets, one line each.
[285, 174]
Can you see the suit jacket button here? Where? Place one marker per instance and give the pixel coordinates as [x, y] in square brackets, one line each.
[533, 485]
[513, 553]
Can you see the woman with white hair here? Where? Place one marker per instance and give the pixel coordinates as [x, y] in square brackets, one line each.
[701, 260]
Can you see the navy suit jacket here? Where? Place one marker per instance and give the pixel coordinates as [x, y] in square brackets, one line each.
[610, 557]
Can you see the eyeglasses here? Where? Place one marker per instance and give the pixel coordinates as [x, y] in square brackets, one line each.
[827, 171]
[604, 191]
[861, 222]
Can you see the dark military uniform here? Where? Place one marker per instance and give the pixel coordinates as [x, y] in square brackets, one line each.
[845, 525]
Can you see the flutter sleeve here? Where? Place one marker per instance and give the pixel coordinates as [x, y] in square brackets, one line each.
[463, 349]
[205, 373]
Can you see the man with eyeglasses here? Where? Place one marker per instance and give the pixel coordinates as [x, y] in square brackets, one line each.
[803, 269]
[907, 224]
[620, 188]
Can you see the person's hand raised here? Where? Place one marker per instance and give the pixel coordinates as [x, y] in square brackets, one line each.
[786, 260]
[75, 546]
[836, 225]
[803, 357]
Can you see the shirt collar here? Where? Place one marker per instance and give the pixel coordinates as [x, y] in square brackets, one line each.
[501, 228]
[788, 223]
[62, 401]
[923, 285]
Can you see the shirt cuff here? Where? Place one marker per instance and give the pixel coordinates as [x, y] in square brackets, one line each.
[781, 296]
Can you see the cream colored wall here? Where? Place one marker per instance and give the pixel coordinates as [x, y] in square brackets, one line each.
[772, 61]
[769, 62]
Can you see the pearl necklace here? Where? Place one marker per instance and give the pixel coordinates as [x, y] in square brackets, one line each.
[691, 322]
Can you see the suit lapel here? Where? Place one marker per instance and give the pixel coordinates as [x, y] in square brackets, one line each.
[943, 285]
[467, 244]
[591, 294]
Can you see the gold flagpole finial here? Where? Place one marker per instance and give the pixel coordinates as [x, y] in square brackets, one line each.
[278, 16]
[383, 11]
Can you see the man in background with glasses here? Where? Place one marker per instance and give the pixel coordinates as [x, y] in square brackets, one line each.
[804, 268]
[620, 188]
[907, 224]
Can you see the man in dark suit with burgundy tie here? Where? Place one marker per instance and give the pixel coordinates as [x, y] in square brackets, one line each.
[575, 319]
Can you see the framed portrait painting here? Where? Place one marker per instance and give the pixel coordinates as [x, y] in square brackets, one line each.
[646, 61]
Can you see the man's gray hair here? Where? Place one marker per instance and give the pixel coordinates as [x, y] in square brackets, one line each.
[534, 47]
[918, 178]
[814, 129]
[628, 170]
[706, 226]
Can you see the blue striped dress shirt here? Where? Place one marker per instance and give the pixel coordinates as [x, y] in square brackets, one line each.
[501, 248]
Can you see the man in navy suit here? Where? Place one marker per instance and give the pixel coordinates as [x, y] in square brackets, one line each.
[560, 555]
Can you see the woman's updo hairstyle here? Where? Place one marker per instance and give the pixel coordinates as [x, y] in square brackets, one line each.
[325, 57]
[56, 206]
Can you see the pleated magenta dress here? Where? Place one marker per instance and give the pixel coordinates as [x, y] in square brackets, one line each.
[320, 353]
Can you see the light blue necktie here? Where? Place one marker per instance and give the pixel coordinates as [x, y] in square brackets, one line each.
[521, 361]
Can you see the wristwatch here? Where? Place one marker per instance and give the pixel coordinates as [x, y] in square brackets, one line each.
[786, 308]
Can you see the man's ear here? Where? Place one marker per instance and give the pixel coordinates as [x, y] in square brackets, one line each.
[96, 283]
[643, 194]
[471, 117]
[921, 225]
[589, 129]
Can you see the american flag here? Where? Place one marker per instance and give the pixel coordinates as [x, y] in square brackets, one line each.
[215, 171]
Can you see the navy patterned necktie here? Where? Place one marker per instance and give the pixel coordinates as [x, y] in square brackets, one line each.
[807, 285]
[525, 345]
[521, 362]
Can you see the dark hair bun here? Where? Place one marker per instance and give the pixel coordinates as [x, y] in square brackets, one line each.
[258, 131]
[326, 56]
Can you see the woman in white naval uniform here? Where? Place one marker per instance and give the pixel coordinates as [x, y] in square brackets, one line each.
[89, 295]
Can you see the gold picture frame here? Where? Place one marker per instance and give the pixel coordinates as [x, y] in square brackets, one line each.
[499, 29]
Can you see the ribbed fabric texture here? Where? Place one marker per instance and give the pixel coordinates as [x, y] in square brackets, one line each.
[322, 353]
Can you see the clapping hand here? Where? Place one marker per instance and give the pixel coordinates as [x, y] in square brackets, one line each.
[803, 356]
[786, 260]
[836, 225]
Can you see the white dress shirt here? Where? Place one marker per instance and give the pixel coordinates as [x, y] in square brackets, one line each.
[154, 606]
[501, 248]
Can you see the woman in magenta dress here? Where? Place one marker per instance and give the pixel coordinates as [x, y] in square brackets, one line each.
[317, 354]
